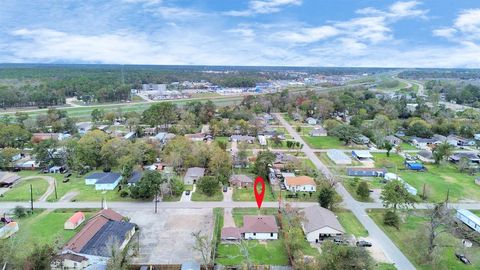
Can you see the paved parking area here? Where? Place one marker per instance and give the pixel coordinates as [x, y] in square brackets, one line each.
[166, 237]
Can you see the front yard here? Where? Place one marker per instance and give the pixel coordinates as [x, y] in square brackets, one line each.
[199, 196]
[350, 223]
[406, 238]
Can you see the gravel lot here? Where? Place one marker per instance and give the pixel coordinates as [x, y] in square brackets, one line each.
[165, 238]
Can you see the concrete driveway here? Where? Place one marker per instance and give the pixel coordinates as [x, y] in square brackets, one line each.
[227, 196]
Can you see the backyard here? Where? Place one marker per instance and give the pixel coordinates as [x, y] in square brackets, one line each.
[438, 180]
[406, 237]
[45, 227]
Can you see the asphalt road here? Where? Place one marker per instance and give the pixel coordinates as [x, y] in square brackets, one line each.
[391, 251]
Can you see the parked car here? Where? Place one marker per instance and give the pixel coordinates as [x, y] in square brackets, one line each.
[68, 175]
[66, 180]
[225, 188]
[462, 258]
[363, 243]
[340, 241]
[187, 192]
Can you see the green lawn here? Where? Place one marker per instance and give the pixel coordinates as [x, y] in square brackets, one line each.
[45, 227]
[407, 146]
[438, 180]
[350, 223]
[199, 196]
[246, 194]
[405, 237]
[266, 253]
[326, 142]
[21, 190]
[351, 186]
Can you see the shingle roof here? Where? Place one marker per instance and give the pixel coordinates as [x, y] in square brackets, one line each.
[111, 231]
[230, 233]
[317, 217]
[8, 178]
[91, 228]
[241, 178]
[195, 172]
[71, 257]
[259, 224]
[109, 178]
[135, 177]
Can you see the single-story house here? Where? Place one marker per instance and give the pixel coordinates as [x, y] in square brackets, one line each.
[459, 141]
[231, 234]
[7, 179]
[411, 107]
[393, 140]
[69, 261]
[472, 157]
[193, 174]
[427, 143]
[366, 172]
[259, 228]
[93, 239]
[84, 127]
[300, 183]
[242, 138]
[241, 180]
[318, 132]
[363, 156]
[163, 137]
[361, 139]
[74, 221]
[339, 157]
[27, 165]
[311, 121]
[103, 181]
[469, 218]
[38, 137]
[134, 178]
[271, 133]
[425, 156]
[320, 223]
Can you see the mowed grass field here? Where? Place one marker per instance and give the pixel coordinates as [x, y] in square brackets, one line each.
[438, 179]
[45, 227]
[406, 238]
[21, 191]
[350, 223]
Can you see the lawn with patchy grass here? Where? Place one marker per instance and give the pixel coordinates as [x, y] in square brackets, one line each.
[406, 236]
[438, 179]
[325, 142]
[199, 196]
[21, 190]
[350, 223]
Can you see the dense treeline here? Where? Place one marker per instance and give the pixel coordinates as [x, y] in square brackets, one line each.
[461, 74]
[457, 92]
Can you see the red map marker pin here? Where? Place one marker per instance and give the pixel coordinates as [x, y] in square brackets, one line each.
[259, 196]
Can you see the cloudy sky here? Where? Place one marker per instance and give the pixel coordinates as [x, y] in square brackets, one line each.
[428, 33]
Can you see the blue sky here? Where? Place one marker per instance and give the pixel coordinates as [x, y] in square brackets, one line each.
[428, 33]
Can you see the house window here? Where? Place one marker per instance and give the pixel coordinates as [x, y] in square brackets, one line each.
[271, 234]
[254, 234]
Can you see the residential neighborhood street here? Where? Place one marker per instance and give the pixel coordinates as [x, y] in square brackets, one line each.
[391, 251]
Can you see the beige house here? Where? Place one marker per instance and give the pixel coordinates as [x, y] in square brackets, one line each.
[69, 261]
[320, 223]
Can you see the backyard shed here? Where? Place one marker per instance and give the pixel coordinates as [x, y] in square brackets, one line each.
[74, 221]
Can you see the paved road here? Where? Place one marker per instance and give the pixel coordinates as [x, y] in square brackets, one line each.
[391, 251]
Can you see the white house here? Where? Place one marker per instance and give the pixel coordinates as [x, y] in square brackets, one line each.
[469, 218]
[320, 223]
[259, 228]
[311, 121]
[300, 184]
[103, 181]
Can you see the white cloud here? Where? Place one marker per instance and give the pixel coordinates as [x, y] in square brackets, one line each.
[407, 9]
[306, 35]
[263, 7]
[465, 27]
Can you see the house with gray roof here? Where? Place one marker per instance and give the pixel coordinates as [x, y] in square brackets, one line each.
[193, 174]
[134, 178]
[103, 180]
[320, 223]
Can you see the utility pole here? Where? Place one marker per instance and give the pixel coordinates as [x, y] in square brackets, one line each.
[156, 202]
[55, 187]
[448, 195]
[31, 197]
